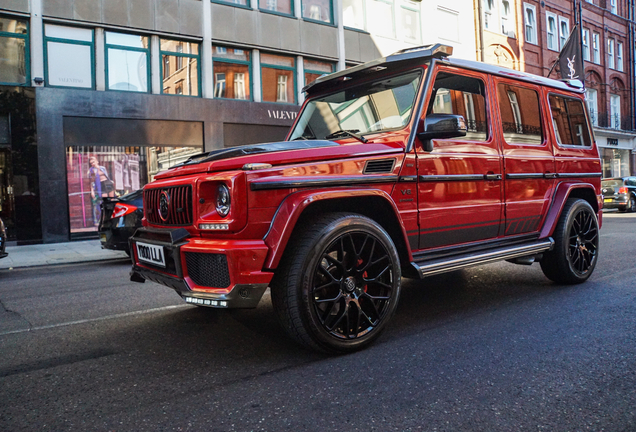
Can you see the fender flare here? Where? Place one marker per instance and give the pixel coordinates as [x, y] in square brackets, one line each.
[294, 205]
[561, 195]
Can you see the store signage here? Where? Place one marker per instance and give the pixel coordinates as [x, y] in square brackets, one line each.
[282, 115]
[612, 141]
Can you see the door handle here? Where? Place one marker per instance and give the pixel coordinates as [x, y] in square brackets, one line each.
[492, 177]
[550, 175]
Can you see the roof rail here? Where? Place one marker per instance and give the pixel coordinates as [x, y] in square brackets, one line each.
[434, 50]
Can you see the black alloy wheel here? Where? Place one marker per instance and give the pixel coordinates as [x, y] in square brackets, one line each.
[631, 204]
[339, 285]
[576, 238]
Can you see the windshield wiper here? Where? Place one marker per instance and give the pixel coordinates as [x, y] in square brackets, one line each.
[352, 133]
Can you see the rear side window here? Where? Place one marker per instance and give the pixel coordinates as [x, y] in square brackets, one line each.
[631, 181]
[520, 114]
[465, 96]
[570, 122]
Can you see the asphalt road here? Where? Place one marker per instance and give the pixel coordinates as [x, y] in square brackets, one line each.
[491, 348]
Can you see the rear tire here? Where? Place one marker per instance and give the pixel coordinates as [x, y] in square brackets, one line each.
[576, 243]
[631, 204]
[338, 283]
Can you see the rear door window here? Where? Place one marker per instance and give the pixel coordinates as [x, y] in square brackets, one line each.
[569, 120]
[520, 114]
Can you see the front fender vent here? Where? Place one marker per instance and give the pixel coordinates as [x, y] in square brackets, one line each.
[379, 166]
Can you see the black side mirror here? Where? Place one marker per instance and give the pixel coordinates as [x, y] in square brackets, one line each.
[441, 126]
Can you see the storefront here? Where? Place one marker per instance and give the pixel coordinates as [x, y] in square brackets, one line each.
[617, 154]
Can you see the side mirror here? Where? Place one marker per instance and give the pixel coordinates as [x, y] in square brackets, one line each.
[441, 126]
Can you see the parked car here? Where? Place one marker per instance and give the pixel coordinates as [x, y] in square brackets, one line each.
[619, 193]
[410, 165]
[119, 219]
[3, 240]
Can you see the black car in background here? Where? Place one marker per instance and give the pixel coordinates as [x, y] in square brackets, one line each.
[119, 219]
[619, 193]
[3, 240]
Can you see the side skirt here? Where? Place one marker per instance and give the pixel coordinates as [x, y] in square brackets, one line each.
[442, 265]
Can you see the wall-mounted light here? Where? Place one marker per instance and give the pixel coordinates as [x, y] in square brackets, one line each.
[38, 80]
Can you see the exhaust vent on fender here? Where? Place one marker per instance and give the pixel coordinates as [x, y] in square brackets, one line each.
[379, 166]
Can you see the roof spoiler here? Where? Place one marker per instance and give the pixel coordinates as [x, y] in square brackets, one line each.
[422, 52]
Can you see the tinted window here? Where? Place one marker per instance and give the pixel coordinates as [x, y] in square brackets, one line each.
[520, 114]
[456, 94]
[570, 123]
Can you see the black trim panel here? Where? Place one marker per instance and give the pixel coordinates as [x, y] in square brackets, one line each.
[452, 177]
[520, 176]
[332, 182]
[579, 175]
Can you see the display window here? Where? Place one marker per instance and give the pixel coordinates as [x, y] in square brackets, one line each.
[97, 172]
[231, 73]
[180, 67]
[14, 51]
[69, 56]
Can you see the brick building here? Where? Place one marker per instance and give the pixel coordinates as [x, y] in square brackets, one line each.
[527, 35]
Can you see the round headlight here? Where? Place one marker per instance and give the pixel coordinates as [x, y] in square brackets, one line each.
[222, 200]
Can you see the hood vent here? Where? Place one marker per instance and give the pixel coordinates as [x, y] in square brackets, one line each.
[379, 166]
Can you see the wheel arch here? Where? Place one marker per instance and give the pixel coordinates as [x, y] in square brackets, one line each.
[564, 191]
[298, 208]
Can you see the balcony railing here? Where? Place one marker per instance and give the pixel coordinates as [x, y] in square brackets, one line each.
[611, 121]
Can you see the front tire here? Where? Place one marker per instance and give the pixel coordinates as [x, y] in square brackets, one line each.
[576, 243]
[338, 283]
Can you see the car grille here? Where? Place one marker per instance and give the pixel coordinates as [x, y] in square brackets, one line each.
[208, 270]
[179, 210]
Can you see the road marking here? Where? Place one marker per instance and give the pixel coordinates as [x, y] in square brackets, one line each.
[104, 318]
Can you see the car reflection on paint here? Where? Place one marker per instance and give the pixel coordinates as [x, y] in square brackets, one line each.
[119, 219]
[619, 193]
[3, 240]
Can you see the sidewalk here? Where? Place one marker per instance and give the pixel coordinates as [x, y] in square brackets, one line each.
[57, 253]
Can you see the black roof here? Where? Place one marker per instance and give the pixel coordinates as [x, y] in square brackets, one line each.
[426, 53]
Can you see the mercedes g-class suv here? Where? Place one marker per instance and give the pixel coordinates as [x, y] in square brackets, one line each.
[410, 165]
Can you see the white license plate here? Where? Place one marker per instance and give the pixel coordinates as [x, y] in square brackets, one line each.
[150, 254]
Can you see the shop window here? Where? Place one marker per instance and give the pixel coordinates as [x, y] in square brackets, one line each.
[96, 172]
[127, 62]
[278, 78]
[353, 14]
[463, 96]
[520, 114]
[180, 67]
[318, 10]
[14, 51]
[283, 7]
[232, 68]
[69, 55]
[314, 69]
[570, 123]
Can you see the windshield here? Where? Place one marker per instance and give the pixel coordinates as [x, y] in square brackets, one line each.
[370, 107]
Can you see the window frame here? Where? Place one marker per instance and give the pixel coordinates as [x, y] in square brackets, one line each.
[533, 27]
[180, 54]
[596, 48]
[615, 110]
[292, 12]
[586, 45]
[619, 56]
[287, 68]
[563, 39]
[555, 34]
[27, 50]
[525, 87]
[364, 17]
[128, 48]
[231, 3]
[553, 126]
[413, 7]
[611, 57]
[247, 63]
[588, 99]
[614, 7]
[331, 21]
[313, 71]
[91, 44]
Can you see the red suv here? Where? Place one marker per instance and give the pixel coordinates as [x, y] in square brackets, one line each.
[410, 165]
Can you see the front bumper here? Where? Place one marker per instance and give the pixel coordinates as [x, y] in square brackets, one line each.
[205, 272]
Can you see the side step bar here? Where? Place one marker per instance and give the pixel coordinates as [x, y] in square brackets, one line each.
[427, 268]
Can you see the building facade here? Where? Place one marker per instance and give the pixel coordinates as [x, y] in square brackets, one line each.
[527, 35]
[97, 96]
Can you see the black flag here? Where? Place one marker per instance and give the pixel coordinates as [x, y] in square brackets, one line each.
[570, 58]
